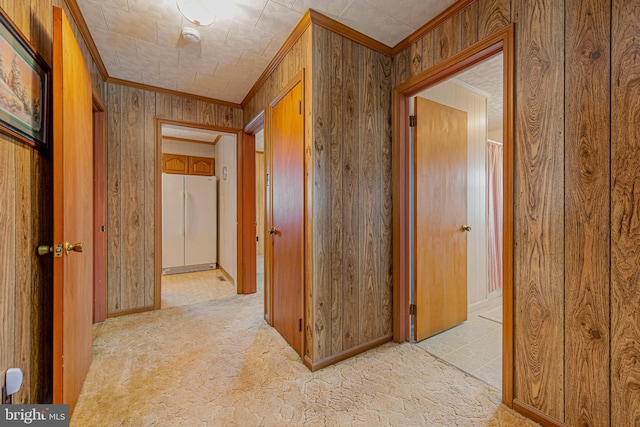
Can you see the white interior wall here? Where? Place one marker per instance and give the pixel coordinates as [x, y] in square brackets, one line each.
[188, 148]
[496, 135]
[226, 157]
[475, 104]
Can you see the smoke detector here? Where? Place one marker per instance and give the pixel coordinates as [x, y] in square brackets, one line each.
[191, 35]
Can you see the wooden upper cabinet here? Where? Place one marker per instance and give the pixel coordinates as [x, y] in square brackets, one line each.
[188, 165]
[175, 163]
[202, 166]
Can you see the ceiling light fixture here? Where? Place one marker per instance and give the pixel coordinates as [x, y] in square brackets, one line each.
[198, 12]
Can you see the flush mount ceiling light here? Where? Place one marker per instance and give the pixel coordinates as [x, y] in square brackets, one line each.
[198, 12]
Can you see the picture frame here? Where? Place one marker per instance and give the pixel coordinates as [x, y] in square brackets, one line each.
[25, 88]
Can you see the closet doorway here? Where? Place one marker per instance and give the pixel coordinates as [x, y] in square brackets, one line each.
[476, 85]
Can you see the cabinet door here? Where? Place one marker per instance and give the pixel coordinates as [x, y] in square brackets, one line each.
[175, 163]
[204, 166]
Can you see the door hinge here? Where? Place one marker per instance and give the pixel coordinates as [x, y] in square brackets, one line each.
[299, 107]
[412, 121]
[257, 238]
[299, 325]
[412, 309]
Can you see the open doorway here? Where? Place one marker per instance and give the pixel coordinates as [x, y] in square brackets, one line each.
[473, 340]
[260, 209]
[199, 187]
[406, 311]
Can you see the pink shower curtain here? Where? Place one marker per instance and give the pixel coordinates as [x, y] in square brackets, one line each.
[494, 218]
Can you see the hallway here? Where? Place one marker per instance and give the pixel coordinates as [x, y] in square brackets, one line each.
[218, 363]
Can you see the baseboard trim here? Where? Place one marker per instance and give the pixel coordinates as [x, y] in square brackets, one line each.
[226, 275]
[131, 311]
[327, 361]
[536, 415]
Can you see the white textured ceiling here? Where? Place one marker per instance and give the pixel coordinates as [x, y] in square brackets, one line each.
[140, 40]
[183, 132]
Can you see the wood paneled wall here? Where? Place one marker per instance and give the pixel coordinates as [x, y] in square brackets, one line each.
[352, 246]
[576, 200]
[131, 160]
[348, 282]
[26, 205]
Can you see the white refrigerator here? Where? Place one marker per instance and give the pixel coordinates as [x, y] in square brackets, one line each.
[189, 223]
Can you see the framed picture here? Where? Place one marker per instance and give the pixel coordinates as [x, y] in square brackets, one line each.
[25, 87]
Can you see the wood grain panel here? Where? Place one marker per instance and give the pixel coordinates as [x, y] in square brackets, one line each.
[447, 39]
[322, 200]
[625, 205]
[415, 58]
[386, 200]
[150, 194]
[494, 15]
[176, 108]
[206, 113]
[587, 204]
[23, 270]
[368, 262]
[224, 116]
[7, 246]
[402, 64]
[469, 25]
[163, 105]
[133, 213]
[351, 195]
[190, 110]
[337, 191]
[428, 52]
[539, 207]
[114, 196]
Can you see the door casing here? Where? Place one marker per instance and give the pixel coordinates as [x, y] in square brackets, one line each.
[501, 41]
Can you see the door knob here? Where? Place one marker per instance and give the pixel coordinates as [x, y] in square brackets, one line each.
[78, 247]
[273, 230]
[46, 249]
[466, 228]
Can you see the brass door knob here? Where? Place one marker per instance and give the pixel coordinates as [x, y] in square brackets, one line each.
[466, 228]
[77, 247]
[273, 230]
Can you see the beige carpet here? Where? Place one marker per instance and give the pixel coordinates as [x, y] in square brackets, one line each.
[218, 364]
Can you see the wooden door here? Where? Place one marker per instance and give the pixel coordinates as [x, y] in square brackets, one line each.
[287, 227]
[72, 214]
[440, 139]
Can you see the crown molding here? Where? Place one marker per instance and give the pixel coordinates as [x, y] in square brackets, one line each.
[429, 26]
[297, 32]
[172, 92]
[348, 32]
[76, 14]
[314, 17]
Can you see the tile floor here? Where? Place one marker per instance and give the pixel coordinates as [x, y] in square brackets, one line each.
[189, 288]
[474, 346]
